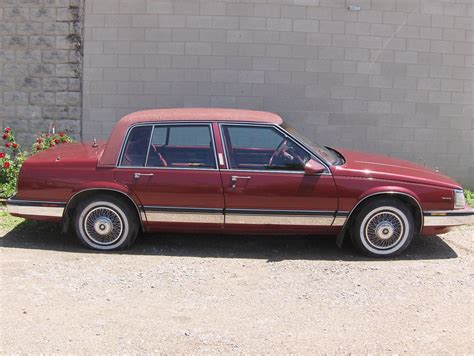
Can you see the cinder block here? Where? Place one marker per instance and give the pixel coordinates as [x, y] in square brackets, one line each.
[338, 66]
[406, 57]
[132, 6]
[171, 21]
[199, 21]
[442, 21]
[370, 42]
[429, 84]
[240, 9]
[251, 76]
[116, 47]
[307, 26]
[252, 23]
[158, 6]
[144, 21]
[103, 60]
[102, 34]
[267, 10]
[356, 54]
[224, 76]
[293, 12]
[276, 24]
[104, 6]
[213, 8]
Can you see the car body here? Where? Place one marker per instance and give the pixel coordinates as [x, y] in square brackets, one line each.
[233, 171]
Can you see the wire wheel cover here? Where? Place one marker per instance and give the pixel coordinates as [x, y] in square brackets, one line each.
[103, 226]
[384, 230]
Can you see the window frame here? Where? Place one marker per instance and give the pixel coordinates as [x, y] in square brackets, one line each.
[153, 124]
[285, 134]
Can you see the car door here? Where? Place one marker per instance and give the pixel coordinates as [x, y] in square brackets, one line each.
[265, 186]
[172, 169]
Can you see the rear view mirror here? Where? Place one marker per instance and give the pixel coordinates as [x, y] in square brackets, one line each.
[313, 167]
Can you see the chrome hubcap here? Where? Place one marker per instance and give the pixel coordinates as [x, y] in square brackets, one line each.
[384, 230]
[103, 226]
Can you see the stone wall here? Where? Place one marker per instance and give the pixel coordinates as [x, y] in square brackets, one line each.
[40, 66]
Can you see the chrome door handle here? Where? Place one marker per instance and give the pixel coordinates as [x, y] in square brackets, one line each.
[234, 179]
[138, 175]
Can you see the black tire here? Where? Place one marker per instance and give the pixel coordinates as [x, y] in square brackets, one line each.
[383, 228]
[105, 222]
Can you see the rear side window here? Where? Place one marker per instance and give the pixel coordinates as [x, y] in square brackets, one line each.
[181, 146]
[135, 152]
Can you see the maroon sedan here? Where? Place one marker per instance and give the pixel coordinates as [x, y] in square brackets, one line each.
[232, 171]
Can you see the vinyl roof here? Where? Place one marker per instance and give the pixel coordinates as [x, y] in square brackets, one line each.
[200, 114]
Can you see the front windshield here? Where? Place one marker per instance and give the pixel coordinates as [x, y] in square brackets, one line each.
[330, 155]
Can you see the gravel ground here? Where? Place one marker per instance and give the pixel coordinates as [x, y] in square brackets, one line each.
[233, 294]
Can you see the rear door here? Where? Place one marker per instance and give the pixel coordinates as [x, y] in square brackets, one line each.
[172, 169]
[265, 186]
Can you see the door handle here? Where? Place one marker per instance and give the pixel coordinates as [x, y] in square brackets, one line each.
[234, 179]
[138, 175]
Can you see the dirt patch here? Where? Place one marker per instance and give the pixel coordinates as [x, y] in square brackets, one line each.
[234, 294]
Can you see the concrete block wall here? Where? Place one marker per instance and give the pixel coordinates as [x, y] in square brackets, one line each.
[40, 66]
[395, 77]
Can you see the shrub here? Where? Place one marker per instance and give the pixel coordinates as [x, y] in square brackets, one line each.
[10, 164]
[13, 157]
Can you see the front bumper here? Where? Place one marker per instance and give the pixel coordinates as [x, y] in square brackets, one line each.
[18, 207]
[449, 217]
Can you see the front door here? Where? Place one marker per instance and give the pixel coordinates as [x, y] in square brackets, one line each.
[265, 186]
[172, 170]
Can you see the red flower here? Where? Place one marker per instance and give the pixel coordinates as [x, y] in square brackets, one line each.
[5, 136]
[61, 134]
[7, 144]
[38, 140]
[7, 130]
[38, 148]
[15, 145]
[57, 140]
[6, 164]
[2, 154]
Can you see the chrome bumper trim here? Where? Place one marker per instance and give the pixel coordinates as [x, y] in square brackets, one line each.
[449, 217]
[35, 208]
[184, 217]
[260, 219]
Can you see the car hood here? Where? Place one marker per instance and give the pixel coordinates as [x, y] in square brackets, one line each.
[368, 165]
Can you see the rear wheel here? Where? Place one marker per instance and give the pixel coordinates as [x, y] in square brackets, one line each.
[383, 228]
[106, 223]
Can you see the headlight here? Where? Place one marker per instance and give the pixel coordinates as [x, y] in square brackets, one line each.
[459, 200]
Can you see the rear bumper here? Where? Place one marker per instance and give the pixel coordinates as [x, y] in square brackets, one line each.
[31, 208]
[449, 217]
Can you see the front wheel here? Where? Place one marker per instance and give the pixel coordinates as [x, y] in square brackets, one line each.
[105, 223]
[383, 228]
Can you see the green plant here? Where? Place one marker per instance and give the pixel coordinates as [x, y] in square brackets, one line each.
[469, 194]
[47, 140]
[10, 164]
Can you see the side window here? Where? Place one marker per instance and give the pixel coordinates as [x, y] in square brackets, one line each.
[262, 148]
[181, 146]
[134, 154]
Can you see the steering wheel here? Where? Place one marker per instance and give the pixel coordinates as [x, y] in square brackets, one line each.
[279, 151]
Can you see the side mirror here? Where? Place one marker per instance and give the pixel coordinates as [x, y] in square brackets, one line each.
[313, 167]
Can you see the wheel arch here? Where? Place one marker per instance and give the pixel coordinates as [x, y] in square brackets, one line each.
[407, 197]
[120, 192]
